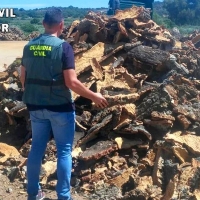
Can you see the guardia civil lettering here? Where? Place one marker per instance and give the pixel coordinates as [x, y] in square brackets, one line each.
[40, 50]
[4, 28]
[7, 12]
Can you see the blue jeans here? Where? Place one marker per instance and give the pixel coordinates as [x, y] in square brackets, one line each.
[63, 127]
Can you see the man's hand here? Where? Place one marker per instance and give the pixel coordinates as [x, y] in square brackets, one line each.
[99, 100]
[74, 84]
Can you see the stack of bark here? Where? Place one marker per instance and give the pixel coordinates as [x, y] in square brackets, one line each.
[15, 34]
[145, 144]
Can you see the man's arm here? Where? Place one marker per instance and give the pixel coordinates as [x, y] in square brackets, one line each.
[22, 75]
[75, 85]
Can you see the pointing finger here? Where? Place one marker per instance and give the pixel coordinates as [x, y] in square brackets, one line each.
[105, 102]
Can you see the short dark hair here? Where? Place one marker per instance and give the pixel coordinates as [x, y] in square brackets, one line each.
[53, 16]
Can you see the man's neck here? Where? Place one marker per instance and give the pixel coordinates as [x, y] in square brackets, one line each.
[52, 34]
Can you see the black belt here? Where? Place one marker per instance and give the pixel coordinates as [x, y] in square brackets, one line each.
[44, 82]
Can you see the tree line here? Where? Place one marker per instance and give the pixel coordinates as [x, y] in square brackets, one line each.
[183, 12]
[168, 13]
[70, 11]
[38, 13]
[180, 12]
[31, 20]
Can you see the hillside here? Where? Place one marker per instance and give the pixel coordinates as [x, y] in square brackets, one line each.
[31, 20]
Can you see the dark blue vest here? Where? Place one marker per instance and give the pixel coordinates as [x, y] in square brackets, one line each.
[44, 84]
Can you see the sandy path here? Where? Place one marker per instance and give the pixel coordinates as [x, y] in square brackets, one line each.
[9, 50]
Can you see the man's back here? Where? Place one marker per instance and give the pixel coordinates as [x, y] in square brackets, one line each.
[43, 59]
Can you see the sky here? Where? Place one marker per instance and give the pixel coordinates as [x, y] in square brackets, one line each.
[48, 3]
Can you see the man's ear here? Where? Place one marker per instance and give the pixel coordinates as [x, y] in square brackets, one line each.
[61, 25]
[43, 23]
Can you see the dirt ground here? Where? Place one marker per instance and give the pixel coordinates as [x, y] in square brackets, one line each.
[9, 51]
[16, 190]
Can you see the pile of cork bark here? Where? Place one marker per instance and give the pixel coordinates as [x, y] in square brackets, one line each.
[145, 144]
[16, 34]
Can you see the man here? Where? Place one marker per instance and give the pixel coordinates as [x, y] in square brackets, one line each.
[114, 5]
[47, 75]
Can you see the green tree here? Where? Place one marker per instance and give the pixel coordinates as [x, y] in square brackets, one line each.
[5, 20]
[35, 21]
[163, 21]
[28, 28]
[183, 11]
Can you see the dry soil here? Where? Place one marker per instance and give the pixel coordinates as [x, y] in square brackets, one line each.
[9, 51]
